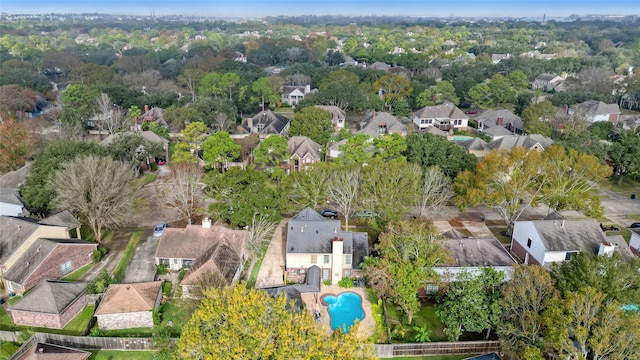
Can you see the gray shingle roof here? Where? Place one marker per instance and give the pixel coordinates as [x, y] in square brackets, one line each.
[270, 122]
[527, 141]
[491, 116]
[497, 131]
[302, 146]
[473, 144]
[194, 240]
[575, 235]
[10, 196]
[447, 110]
[50, 296]
[13, 179]
[594, 107]
[147, 135]
[15, 231]
[374, 120]
[472, 252]
[63, 218]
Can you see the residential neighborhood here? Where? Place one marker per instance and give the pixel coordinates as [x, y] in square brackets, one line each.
[319, 186]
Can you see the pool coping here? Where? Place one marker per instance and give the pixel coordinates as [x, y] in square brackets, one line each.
[325, 304]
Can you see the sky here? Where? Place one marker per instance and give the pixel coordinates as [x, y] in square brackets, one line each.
[262, 8]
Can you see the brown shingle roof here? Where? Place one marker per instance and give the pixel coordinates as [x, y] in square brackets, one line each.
[44, 351]
[303, 146]
[222, 259]
[443, 111]
[194, 240]
[125, 298]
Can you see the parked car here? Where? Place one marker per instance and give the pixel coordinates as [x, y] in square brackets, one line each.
[159, 229]
[609, 228]
[364, 214]
[635, 225]
[329, 213]
[471, 111]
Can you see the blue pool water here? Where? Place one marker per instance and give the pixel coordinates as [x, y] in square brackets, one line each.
[461, 138]
[344, 310]
[630, 307]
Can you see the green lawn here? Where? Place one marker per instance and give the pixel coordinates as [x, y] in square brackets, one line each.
[146, 179]
[118, 273]
[76, 275]
[120, 355]
[254, 272]
[87, 234]
[437, 357]
[133, 332]
[177, 311]
[75, 327]
[426, 316]
[625, 189]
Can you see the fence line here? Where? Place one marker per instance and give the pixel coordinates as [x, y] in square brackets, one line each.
[88, 342]
[436, 348]
[8, 336]
[23, 349]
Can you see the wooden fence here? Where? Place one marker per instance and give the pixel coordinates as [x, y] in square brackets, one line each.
[8, 336]
[107, 343]
[437, 348]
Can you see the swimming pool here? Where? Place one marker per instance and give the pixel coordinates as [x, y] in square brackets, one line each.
[344, 310]
[461, 138]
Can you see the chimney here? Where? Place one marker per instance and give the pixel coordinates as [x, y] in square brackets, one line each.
[606, 249]
[146, 109]
[206, 223]
[337, 238]
[500, 121]
[250, 123]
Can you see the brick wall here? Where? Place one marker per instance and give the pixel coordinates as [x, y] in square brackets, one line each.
[78, 254]
[53, 321]
[125, 320]
[521, 253]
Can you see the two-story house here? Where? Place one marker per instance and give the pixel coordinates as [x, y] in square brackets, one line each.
[445, 117]
[314, 240]
[265, 123]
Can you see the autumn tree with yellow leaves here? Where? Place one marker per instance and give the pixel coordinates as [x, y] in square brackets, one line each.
[240, 323]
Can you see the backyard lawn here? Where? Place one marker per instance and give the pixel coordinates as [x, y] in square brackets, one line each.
[405, 333]
[76, 275]
[178, 313]
[120, 355]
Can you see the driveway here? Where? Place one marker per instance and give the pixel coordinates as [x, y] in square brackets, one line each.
[142, 267]
[116, 246]
[272, 270]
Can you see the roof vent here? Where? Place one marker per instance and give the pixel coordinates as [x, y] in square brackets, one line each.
[335, 230]
[301, 228]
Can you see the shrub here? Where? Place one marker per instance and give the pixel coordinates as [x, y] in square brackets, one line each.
[157, 314]
[100, 283]
[162, 269]
[378, 315]
[166, 288]
[96, 255]
[96, 332]
[182, 273]
[346, 283]
[327, 282]
[154, 167]
[103, 250]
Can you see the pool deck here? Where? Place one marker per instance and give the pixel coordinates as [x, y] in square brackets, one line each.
[367, 325]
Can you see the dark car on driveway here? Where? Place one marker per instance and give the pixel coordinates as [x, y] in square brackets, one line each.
[329, 213]
[635, 225]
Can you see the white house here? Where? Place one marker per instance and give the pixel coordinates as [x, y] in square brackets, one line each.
[445, 117]
[292, 95]
[10, 203]
[595, 111]
[547, 241]
[314, 240]
[634, 242]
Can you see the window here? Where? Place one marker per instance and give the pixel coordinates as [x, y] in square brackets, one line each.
[175, 261]
[314, 259]
[347, 259]
[529, 243]
[340, 121]
[325, 274]
[66, 267]
[426, 122]
[457, 122]
[570, 255]
[347, 273]
[164, 262]
[432, 288]
[187, 263]
[326, 259]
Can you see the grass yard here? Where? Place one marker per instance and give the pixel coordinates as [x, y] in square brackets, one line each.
[178, 312]
[76, 275]
[87, 234]
[405, 333]
[118, 273]
[75, 327]
[120, 355]
[254, 272]
[625, 189]
[497, 232]
[133, 332]
[435, 357]
[146, 179]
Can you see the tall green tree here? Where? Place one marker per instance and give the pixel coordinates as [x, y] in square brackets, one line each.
[220, 149]
[272, 151]
[314, 123]
[390, 146]
[77, 104]
[625, 154]
[264, 89]
[537, 118]
[434, 150]
[435, 95]
[355, 151]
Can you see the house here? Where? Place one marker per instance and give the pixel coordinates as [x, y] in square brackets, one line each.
[64, 219]
[445, 117]
[634, 242]
[304, 152]
[11, 203]
[338, 116]
[216, 250]
[154, 114]
[379, 66]
[500, 118]
[348, 60]
[149, 136]
[496, 58]
[473, 254]
[475, 146]
[265, 123]
[314, 240]
[13, 179]
[594, 111]
[18, 235]
[126, 306]
[51, 304]
[45, 259]
[547, 82]
[536, 54]
[34, 350]
[543, 242]
[334, 150]
[292, 95]
[529, 142]
[377, 124]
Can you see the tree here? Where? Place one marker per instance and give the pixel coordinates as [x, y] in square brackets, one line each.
[355, 151]
[36, 190]
[182, 190]
[345, 95]
[390, 146]
[435, 95]
[408, 251]
[537, 118]
[343, 189]
[220, 149]
[133, 149]
[222, 122]
[389, 188]
[310, 187]
[193, 134]
[314, 123]
[434, 190]
[435, 150]
[625, 154]
[528, 294]
[568, 178]
[15, 144]
[263, 88]
[392, 87]
[502, 180]
[259, 236]
[272, 151]
[109, 118]
[234, 322]
[15, 100]
[182, 154]
[78, 103]
[101, 190]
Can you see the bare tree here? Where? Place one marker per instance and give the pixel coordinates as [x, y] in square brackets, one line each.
[294, 53]
[298, 80]
[183, 190]
[109, 118]
[309, 187]
[100, 189]
[222, 122]
[260, 232]
[343, 190]
[434, 191]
